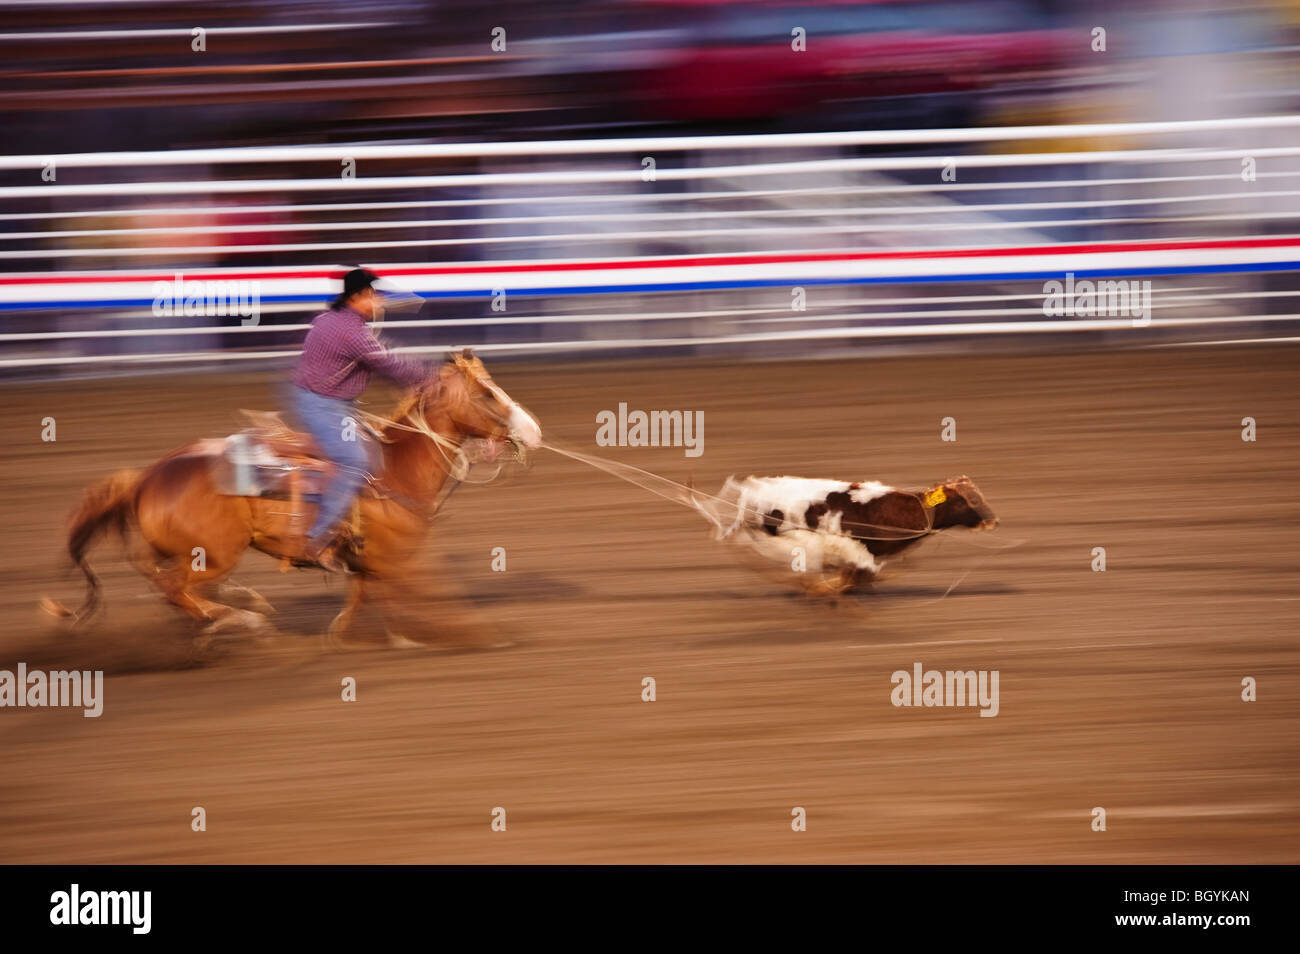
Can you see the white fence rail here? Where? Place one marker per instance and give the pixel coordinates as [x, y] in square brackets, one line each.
[622, 245]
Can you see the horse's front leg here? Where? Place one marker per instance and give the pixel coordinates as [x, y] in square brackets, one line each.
[409, 604]
[343, 621]
[399, 601]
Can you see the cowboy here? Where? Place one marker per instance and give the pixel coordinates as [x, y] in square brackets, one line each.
[338, 357]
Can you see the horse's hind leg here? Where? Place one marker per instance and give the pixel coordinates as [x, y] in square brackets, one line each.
[178, 584]
[259, 602]
[197, 535]
[153, 565]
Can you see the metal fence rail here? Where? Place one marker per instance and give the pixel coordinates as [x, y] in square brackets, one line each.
[703, 243]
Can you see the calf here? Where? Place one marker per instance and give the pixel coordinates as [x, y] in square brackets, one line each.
[850, 529]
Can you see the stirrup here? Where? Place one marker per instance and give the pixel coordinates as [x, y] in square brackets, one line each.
[328, 558]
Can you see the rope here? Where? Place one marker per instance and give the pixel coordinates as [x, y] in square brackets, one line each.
[689, 497]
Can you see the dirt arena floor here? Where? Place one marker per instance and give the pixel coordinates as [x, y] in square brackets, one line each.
[1119, 689]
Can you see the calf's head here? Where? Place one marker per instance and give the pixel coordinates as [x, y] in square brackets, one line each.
[960, 504]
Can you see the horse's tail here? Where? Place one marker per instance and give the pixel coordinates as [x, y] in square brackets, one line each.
[107, 505]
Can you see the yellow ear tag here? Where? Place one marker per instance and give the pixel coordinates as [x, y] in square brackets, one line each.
[935, 497]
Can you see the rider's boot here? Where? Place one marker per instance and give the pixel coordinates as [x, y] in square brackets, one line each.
[324, 554]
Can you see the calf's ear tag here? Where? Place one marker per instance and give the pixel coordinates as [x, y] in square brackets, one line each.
[935, 497]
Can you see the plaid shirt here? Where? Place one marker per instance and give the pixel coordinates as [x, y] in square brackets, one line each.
[340, 354]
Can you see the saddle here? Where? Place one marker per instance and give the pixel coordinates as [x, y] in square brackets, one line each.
[270, 459]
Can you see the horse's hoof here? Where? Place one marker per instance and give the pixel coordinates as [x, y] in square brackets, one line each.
[256, 601]
[239, 620]
[262, 605]
[266, 639]
[333, 641]
[398, 641]
[57, 610]
[201, 646]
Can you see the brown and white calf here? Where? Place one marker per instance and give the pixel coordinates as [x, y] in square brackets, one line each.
[846, 529]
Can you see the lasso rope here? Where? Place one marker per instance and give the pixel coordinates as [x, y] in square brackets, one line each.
[689, 497]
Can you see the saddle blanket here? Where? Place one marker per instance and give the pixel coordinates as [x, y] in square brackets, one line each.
[246, 466]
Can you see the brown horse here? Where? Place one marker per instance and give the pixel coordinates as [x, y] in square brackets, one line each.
[176, 506]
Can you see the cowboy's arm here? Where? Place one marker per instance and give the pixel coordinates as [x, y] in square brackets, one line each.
[377, 359]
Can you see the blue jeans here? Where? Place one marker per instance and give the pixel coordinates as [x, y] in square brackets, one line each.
[330, 422]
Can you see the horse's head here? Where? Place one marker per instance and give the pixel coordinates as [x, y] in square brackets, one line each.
[478, 407]
[964, 505]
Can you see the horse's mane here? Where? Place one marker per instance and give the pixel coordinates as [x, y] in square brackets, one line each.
[442, 390]
[428, 397]
[406, 405]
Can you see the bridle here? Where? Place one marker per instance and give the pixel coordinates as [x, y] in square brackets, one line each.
[459, 463]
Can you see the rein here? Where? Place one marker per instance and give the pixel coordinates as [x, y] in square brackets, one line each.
[458, 463]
